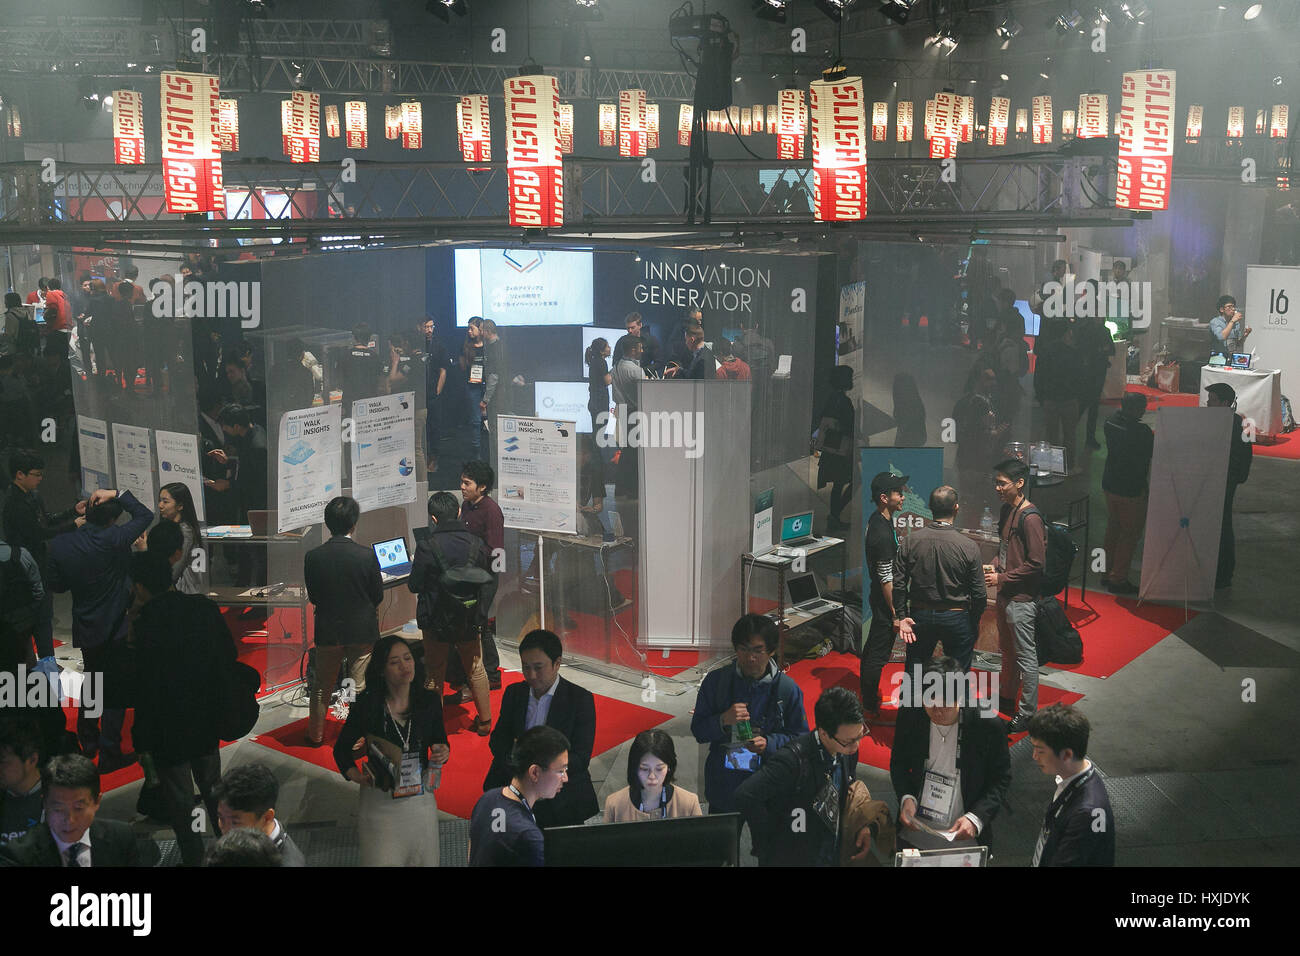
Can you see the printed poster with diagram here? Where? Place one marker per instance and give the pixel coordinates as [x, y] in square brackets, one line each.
[309, 465]
[92, 441]
[383, 450]
[133, 462]
[537, 474]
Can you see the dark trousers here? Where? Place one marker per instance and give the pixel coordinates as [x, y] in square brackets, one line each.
[101, 734]
[1227, 541]
[491, 659]
[951, 628]
[174, 780]
[45, 627]
[841, 495]
[875, 655]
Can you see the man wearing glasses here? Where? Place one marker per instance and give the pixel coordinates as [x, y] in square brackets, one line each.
[746, 712]
[795, 804]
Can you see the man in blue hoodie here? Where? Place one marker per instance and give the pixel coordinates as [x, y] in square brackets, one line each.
[745, 711]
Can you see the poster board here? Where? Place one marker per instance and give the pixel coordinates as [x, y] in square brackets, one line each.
[383, 451]
[308, 465]
[92, 440]
[537, 473]
[178, 460]
[1275, 327]
[133, 462]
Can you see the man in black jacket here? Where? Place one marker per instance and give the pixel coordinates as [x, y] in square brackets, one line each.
[176, 720]
[1079, 829]
[246, 451]
[246, 797]
[1241, 452]
[71, 786]
[344, 582]
[1128, 460]
[452, 551]
[950, 765]
[26, 524]
[546, 698]
[795, 803]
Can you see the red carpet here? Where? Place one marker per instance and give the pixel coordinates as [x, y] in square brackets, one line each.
[841, 670]
[272, 647]
[1281, 446]
[587, 637]
[462, 779]
[1116, 631]
[1157, 398]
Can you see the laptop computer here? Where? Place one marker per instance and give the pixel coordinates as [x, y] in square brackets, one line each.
[797, 529]
[805, 596]
[393, 559]
[1241, 360]
[1047, 461]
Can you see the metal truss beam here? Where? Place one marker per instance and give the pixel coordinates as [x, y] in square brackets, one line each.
[84, 36]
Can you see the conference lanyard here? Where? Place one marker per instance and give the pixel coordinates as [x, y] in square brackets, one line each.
[527, 808]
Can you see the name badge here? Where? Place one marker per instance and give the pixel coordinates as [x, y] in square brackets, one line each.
[938, 795]
[409, 782]
[476, 374]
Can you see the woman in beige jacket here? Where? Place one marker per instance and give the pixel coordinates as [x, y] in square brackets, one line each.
[650, 794]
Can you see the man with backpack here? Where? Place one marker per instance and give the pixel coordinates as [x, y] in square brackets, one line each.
[21, 598]
[20, 334]
[451, 574]
[1017, 578]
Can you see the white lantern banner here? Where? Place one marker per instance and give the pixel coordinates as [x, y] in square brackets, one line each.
[1067, 123]
[903, 121]
[879, 122]
[1022, 122]
[304, 127]
[286, 124]
[608, 127]
[1042, 107]
[354, 114]
[945, 125]
[652, 126]
[966, 119]
[839, 134]
[128, 127]
[1281, 117]
[1145, 167]
[412, 125]
[1195, 116]
[1236, 122]
[746, 122]
[929, 119]
[999, 117]
[228, 126]
[685, 120]
[631, 123]
[756, 115]
[534, 164]
[333, 129]
[392, 122]
[1094, 116]
[191, 161]
[1259, 122]
[475, 131]
[790, 124]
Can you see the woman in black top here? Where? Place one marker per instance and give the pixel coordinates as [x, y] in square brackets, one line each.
[835, 441]
[473, 359]
[598, 380]
[406, 745]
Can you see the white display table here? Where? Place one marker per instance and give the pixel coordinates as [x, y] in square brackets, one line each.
[1259, 394]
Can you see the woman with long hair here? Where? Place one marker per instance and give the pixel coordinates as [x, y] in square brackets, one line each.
[650, 794]
[175, 503]
[473, 360]
[405, 746]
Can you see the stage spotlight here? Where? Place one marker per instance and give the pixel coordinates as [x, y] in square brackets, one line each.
[945, 39]
[773, 10]
[1066, 22]
[1009, 28]
[107, 104]
[834, 9]
[1252, 11]
[1005, 77]
[1277, 80]
[442, 9]
[898, 10]
[1135, 12]
[1046, 71]
[586, 10]
[1100, 16]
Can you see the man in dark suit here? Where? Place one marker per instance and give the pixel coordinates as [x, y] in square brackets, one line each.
[1079, 829]
[546, 698]
[176, 721]
[947, 738]
[93, 563]
[812, 774]
[344, 582]
[70, 834]
[246, 798]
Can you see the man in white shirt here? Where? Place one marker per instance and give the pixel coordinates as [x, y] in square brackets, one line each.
[1079, 828]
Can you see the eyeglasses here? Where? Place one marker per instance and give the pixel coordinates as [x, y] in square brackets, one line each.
[755, 651]
[866, 732]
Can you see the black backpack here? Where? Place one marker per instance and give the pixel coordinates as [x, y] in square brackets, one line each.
[238, 696]
[464, 594]
[18, 612]
[1056, 639]
[1061, 550]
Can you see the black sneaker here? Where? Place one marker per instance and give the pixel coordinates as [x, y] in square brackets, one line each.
[1017, 726]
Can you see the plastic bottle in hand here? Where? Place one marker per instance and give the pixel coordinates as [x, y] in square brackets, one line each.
[986, 522]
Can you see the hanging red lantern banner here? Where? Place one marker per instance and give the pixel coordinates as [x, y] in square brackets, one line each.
[631, 123]
[1094, 116]
[412, 125]
[608, 128]
[652, 126]
[1042, 106]
[533, 159]
[286, 124]
[1236, 122]
[685, 120]
[1281, 118]
[304, 127]
[790, 124]
[1145, 167]
[128, 127]
[903, 121]
[333, 129]
[879, 122]
[354, 113]
[228, 126]
[392, 122]
[1195, 116]
[191, 161]
[475, 128]
[839, 134]
[999, 117]
[945, 125]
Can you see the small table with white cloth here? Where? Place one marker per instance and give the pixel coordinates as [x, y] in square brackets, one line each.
[1259, 393]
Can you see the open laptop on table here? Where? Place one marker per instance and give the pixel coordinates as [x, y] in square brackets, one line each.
[1048, 461]
[394, 562]
[805, 596]
[797, 529]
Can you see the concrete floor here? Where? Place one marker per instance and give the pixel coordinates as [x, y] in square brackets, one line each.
[1197, 776]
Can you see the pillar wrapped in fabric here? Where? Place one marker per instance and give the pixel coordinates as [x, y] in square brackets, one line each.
[1042, 106]
[128, 127]
[945, 125]
[631, 123]
[533, 159]
[304, 127]
[191, 161]
[333, 129]
[354, 114]
[1067, 123]
[685, 120]
[790, 125]
[286, 123]
[608, 128]
[1236, 122]
[412, 125]
[839, 134]
[1093, 121]
[999, 117]
[652, 126]
[228, 125]
[1145, 167]
[566, 128]
[392, 122]
[475, 128]
[1281, 117]
[1195, 118]
[879, 122]
[903, 120]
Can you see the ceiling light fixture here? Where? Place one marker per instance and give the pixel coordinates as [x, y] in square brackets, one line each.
[1252, 11]
[771, 10]
[1066, 22]
[1009, 28]
[833, 9]
[898, 10]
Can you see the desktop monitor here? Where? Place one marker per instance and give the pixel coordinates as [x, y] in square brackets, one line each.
[796, 527]
[712, 840]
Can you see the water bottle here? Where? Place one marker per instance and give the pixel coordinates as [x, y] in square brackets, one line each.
[986, 522]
